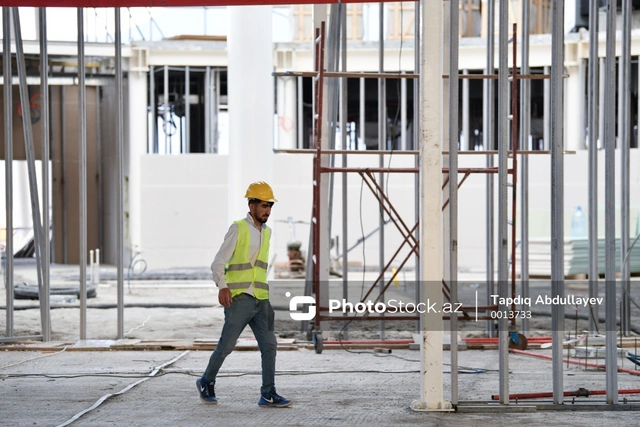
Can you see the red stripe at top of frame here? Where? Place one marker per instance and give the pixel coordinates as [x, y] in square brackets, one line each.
[169, 3]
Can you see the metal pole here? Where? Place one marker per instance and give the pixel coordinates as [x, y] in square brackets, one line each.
[82, 97]
[546, 107]
[415, 145]
[382, 139]
[624, 124]
[299, 122]
[343, 132]
[610, 206]
[99, 167]
[44, 90]
[503, 217]
[403, 114]
[333, 101]
[207, 110]
[525, 127]
[361, 118]
[592, 141]
[8, 161]
[581, 104]
[454, 135]
[187, 113]
[63, 173]
[601, 115]
[153, 147]
[120, 189]
[167, 117]
[557, 193]
[215, 112]
[31, 159]
[52, 132]
[465, 142]
[488, 125]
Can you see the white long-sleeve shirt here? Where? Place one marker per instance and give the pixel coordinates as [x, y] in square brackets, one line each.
[225, 253]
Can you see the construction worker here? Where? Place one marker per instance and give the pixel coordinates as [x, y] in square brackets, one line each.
[240, 271]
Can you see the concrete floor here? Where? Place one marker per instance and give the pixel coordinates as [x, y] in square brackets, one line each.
[330, 389]
[333, 388]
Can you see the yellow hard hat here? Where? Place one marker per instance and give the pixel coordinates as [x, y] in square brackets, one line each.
[260, 190]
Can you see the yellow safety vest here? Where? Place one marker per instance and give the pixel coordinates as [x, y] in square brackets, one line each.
[240, 274]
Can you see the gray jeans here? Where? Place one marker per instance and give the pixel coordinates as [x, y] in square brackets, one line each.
[258, 314]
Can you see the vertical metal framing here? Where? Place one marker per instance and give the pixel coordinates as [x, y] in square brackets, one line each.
[153, 132]
[546, 122]
[382, 139]
[554, 142]
[82, 102]
[624, 125]
[525, 126]
[361, 118]
[503, 235]
[207, 109]
[215, 110]
[488, 125]
[610, 206]
[187, 113]
[593, 97]
[465, 141]
[601, 114]
[167, 116]
[45, 300]
[63, 173]
[99, 168]
[120, 156]
[300, 108]
[343, 132]
[31, 160]
[403, 114]
[416, 146]
[557, 192]
[8, 171]
[454, 136]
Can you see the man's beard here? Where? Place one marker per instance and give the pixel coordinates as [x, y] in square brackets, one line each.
[261, 219]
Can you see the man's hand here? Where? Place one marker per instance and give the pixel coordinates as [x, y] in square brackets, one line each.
[224, 297]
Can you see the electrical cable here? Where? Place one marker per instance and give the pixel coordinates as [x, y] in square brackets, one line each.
[191, 373]
[137, 327]
[99, 402]
[33, 358]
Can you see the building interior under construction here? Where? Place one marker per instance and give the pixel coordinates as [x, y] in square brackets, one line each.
[475, 141]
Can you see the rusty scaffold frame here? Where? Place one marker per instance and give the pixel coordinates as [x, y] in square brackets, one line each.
[407, 233]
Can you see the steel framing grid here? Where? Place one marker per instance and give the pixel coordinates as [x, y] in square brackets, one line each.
[41, 221]
[556, 146]
[367, 175]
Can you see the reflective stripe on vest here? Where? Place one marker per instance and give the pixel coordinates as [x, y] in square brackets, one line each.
[239, 272]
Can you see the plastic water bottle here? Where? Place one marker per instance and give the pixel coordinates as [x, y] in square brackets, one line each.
[578, 224]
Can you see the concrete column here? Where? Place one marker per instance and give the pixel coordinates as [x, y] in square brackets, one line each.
[250, 103]
[136, 140]
[287, 115]
[431, 125]
[574, 110]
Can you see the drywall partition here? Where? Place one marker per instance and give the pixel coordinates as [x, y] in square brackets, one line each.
[184, 212]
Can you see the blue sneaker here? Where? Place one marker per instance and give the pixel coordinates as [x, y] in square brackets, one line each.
[271, 399]
[206, 390]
